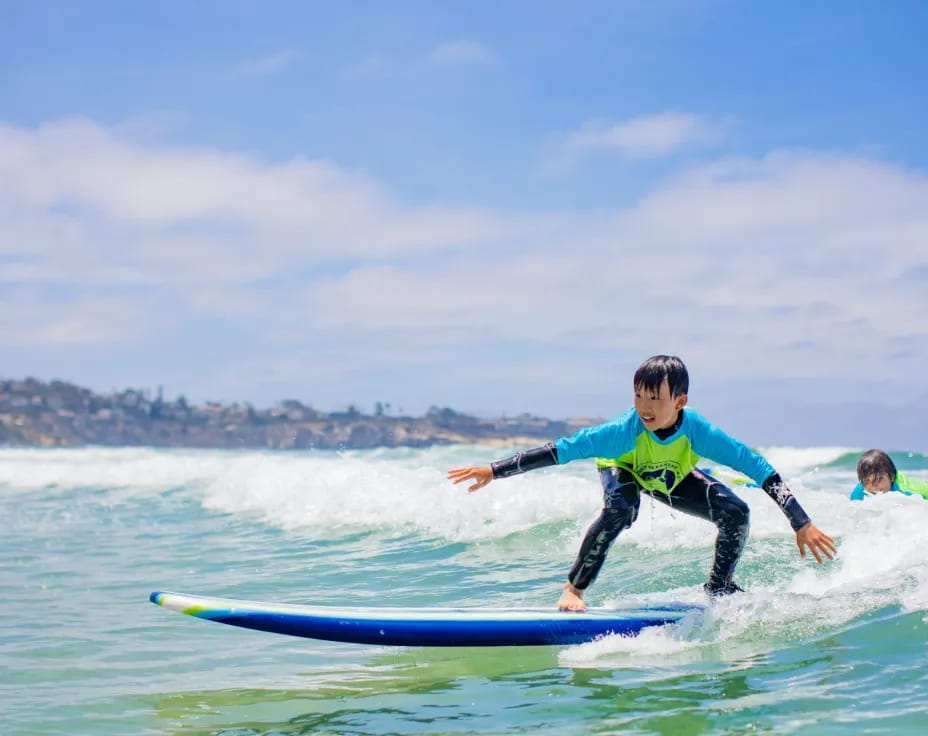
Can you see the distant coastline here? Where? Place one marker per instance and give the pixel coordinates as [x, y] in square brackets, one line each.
[35, 413]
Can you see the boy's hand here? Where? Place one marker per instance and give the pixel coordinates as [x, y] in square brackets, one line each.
[482, 476]
[819, 543]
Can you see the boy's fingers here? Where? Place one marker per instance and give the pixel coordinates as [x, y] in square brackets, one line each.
[826, 545]
[823, 547]
[480, 476]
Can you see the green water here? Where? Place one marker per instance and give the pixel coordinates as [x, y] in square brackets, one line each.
[89, 533]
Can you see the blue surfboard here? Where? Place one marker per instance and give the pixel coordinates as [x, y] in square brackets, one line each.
[426, 627]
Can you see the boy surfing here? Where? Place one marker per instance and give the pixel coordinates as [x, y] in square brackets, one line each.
[653, 448]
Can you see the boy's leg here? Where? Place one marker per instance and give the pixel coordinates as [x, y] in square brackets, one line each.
[701, 495]
[621, 499]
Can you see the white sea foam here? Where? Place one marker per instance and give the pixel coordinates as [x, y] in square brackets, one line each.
[141, 470]
[790, 461]
[363, 490]
[394, 488]
[880, 563]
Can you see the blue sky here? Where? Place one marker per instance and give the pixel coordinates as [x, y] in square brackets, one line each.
[499, 207]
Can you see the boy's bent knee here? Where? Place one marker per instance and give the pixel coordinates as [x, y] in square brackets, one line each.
[731, 510]
[617, 518]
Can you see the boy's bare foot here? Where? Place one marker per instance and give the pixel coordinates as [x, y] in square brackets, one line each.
[571, 599]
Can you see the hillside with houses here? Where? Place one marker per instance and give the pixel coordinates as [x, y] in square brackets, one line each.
[35, 413]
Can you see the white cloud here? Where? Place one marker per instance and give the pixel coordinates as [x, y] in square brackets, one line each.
[167, 213]
[794, 264]
[462, 52]
[647, 136]
[766, 268]
[37, 318]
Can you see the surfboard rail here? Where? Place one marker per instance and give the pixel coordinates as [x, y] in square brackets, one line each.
[437, 627]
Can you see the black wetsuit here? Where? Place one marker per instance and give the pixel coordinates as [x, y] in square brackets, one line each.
[697, 494]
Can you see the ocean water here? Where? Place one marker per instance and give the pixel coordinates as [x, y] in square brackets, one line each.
[88, 533]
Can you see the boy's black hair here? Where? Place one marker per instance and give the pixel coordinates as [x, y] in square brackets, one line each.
[874, 463]
[651, 374]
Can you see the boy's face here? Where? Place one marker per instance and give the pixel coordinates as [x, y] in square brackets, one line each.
[877, 483]
[658, 411]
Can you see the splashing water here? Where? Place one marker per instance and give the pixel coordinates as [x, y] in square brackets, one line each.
[88, 533]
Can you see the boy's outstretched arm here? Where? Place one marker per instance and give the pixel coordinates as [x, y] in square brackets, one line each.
[807, 534]
[819, 543]
[521, 462]
[482, 476]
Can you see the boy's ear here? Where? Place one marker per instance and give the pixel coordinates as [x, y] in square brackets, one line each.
[680, 402]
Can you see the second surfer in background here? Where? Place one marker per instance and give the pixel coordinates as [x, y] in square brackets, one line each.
[653, 448]
[876, 473]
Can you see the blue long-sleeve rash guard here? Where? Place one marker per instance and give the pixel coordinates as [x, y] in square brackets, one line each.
[637, 448]
[660, 461]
